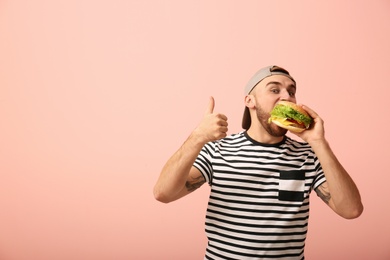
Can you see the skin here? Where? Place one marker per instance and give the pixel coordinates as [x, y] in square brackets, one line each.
[179, 178]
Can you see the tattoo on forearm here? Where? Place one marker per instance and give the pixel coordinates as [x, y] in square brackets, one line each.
[195, 183]
[323, 193]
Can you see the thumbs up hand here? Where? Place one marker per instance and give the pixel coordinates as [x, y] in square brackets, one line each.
[213, 126]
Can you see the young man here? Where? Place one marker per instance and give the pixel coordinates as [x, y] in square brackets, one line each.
[260, 178]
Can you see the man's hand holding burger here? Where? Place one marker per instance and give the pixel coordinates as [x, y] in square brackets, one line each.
[316, 131]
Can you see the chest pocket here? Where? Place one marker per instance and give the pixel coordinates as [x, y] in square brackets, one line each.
[291, 185]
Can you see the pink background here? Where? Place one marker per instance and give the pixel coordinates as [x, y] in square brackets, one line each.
[96, 95]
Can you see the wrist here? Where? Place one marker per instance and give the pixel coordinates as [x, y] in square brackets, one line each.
[319, 143]
[197, 139]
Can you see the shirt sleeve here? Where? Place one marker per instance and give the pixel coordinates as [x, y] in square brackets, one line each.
[204, 162]
[320, 176]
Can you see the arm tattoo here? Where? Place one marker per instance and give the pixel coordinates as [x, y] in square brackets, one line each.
[323, 193]
[194, 183]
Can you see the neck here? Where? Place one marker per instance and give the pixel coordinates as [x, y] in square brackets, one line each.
[262, 136]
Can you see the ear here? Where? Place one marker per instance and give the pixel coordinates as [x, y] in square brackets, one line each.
[250, 101]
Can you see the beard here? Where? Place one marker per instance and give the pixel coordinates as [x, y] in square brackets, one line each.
[271, 129]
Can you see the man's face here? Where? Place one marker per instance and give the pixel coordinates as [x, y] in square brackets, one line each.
[266, 94]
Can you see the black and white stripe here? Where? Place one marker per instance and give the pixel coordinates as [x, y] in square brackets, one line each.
[259, 201]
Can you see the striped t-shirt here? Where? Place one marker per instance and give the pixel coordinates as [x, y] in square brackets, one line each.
[259, 201]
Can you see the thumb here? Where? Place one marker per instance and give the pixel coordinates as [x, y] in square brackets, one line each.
[210, 107]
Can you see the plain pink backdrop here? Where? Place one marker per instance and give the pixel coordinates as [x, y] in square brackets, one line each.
[96, 95]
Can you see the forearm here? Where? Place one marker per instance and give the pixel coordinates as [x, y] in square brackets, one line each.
[174, 175]
[344, 195]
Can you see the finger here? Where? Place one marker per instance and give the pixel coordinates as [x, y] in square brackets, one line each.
[222, 122]
[210, 107]
[222, 116]
[310, 111]
[224, 129]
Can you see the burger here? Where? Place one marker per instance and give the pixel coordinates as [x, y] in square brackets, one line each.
[290, 116]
